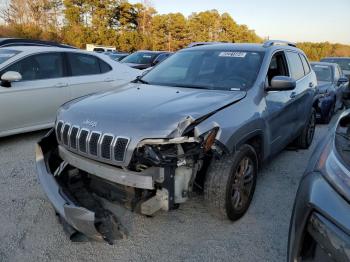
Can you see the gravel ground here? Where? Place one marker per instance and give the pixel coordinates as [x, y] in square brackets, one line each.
[29, 230]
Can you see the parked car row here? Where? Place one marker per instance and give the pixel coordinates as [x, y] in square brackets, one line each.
[331, 86]
[205, 119]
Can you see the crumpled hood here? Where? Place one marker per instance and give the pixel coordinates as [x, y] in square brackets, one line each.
[145, 110]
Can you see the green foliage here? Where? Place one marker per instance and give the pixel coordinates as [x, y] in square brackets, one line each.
[317, 51]
[131, 27]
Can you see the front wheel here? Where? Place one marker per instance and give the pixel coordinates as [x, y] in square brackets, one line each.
[305, 138]
[230, 183]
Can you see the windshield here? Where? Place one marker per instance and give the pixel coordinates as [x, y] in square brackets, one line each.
[140, 58]
[208, 69]
[344, 63]
[323, 72]
[6, 54]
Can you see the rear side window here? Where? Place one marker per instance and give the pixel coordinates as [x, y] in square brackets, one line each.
[82, 64]
[37, 67]
[336, 73]
[305, 64]
[295, 65]
[104, 66]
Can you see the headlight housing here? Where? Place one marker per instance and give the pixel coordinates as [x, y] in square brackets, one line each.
[333, 168]
[174, 151]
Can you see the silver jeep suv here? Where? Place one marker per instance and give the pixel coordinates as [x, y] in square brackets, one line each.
[206, 118]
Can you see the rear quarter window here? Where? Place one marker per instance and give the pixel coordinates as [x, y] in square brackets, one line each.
[305, 64]
[84, 64]
[295, 65]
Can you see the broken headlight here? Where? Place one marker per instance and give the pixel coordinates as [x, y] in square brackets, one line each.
[174, 152]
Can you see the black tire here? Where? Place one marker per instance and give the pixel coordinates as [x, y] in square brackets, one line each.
[305, 138]
[327, 118]
[225, 176]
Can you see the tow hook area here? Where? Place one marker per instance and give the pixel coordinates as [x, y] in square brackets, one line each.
[105, 222]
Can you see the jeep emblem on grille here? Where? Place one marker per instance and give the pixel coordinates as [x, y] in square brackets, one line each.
[90, 123]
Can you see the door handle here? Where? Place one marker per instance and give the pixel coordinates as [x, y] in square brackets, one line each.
[108, 79]
[311, 84]
[293, 95]
[59, 85]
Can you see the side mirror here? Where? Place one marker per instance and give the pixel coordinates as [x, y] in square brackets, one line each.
[281, 83]
[342, 80]
[9, 77]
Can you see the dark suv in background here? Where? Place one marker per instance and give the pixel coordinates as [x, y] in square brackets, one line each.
[145, 59]
[331, 84]
[206, 118]
[343, 62]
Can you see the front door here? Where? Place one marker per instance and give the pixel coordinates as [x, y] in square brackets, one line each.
[281, 111]
[34, 100]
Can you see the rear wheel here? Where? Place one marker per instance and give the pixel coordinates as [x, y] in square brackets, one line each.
[305, 138]
[230, 183]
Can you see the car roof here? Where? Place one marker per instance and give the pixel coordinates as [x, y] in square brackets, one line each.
[336, 58]
[34, 49]
[240, 47]
[8, 42]
[153, 52]
[323, 63]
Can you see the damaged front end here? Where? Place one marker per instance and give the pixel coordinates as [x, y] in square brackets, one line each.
[160, 176]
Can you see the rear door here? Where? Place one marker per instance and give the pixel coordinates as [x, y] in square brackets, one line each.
[34, 100]
[88, 74]
[303, 94]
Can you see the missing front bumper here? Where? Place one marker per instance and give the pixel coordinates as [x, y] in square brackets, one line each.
[101, 225]
[79, 188]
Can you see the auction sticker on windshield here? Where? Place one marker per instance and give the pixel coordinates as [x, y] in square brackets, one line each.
[233, 54]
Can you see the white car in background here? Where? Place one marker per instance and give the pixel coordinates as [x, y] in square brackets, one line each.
[36, 81]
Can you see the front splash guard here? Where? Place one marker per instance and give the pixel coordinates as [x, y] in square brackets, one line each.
[99, 224]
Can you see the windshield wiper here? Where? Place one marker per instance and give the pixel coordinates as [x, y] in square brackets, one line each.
[189, 86]
[140, 80]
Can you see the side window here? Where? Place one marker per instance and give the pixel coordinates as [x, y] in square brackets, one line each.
[82, 64]
[305, 64]
[296, 66]
[336, 73]
[104, 66]
[278, 67]
[37, 67]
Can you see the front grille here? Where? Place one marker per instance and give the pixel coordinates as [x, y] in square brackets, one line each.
[106, 146]
[82, 140]
[73, 137]
[65, 134]
[119, 149]
[58, 131]
[92, 143]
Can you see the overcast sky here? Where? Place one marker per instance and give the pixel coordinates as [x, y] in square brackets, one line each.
[293, 20]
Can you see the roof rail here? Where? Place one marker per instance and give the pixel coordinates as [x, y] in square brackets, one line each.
[278, 42]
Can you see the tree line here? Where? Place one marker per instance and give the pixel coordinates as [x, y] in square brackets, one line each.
[130, 27]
